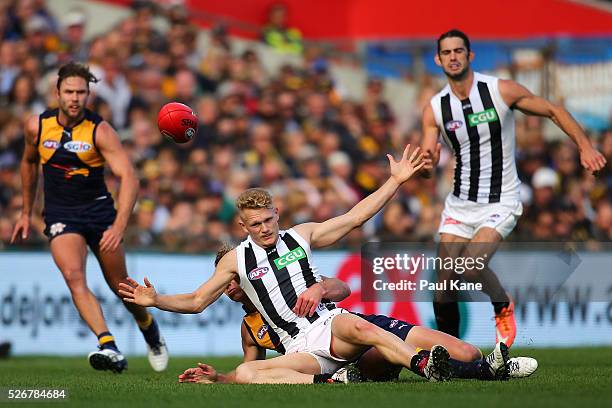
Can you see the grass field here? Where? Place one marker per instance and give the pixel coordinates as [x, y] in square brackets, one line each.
[565, 378]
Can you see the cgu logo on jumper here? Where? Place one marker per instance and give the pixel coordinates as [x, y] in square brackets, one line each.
[77, 146]
[290, 257]
[489, 115]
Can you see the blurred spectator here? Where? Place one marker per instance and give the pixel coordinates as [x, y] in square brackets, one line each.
[292, 132]
[114, 88]
[278, 35]
[74, 36]
[22, 98]
[9, 67]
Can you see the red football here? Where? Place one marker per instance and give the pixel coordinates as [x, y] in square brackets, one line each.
[177, 121]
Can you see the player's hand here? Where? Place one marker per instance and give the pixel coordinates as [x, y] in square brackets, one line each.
[407, 166]
[431, 158]
[111, 238]
[592, 160]
[202, 374]
[132, 292]
[22, 229]
[308, 300]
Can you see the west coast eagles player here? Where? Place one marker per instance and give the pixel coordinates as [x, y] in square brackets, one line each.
[72, 144]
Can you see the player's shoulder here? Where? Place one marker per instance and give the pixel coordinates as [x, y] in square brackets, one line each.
[93, 117]
[490, 79]
[301, 231]
[228, 260]
[442, 93]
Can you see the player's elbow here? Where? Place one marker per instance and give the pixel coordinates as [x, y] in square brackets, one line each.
[345, 291]
[245, 373]
[197, 304]
[555, 110]
[356, 220]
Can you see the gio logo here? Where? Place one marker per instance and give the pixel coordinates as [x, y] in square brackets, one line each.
[77, 146]
[290, 257]
[490, 115]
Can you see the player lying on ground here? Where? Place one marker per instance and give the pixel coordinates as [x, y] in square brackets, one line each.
[275, 267]
[466, 362]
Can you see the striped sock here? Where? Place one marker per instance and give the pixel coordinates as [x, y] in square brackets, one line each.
[107, 341]
[150, 330]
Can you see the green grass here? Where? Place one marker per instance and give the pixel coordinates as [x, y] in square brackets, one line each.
[566, 377]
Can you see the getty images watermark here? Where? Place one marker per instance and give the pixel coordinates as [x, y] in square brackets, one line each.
[396, 271]
[411, 264]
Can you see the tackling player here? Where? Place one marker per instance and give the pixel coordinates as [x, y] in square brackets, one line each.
[466, 361]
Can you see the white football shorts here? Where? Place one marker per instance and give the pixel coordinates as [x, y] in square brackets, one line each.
[464, 218]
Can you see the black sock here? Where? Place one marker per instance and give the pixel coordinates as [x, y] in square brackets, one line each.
[478, 369]
[151, 333]
[498, 306]
[417, 362]
[107, 341]
[322, 378]
[447, 317]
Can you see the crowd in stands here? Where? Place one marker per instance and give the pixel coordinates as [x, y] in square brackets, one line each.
[291, 132]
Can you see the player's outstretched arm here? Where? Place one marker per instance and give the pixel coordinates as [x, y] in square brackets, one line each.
[29, 179]
[207, 374]
[194, 302]
[109, 145]
[429, 144]
[516, 95]
[328, 232]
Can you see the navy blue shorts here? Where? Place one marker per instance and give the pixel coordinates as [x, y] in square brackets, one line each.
[89, 220]
[398, 327]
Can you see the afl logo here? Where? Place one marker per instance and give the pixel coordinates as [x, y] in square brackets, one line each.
[77, 146]
[453, 125]
[51, 144]
[393, 323]
[258, 273]
[262, 331]
[190, 133]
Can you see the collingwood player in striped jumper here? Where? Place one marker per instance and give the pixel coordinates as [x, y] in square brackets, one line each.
[474, 114]
[275, 268]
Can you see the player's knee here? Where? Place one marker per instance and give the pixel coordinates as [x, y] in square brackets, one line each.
[245, 373]
[75, 279]
[467, 352]
[471, 275]
[365, 332]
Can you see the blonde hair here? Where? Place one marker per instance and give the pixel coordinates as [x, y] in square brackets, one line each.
[254, 198]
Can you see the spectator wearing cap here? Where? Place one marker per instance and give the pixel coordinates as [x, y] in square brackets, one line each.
[545, 182]
[42, 43]
[340, 169]
[74, 35]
